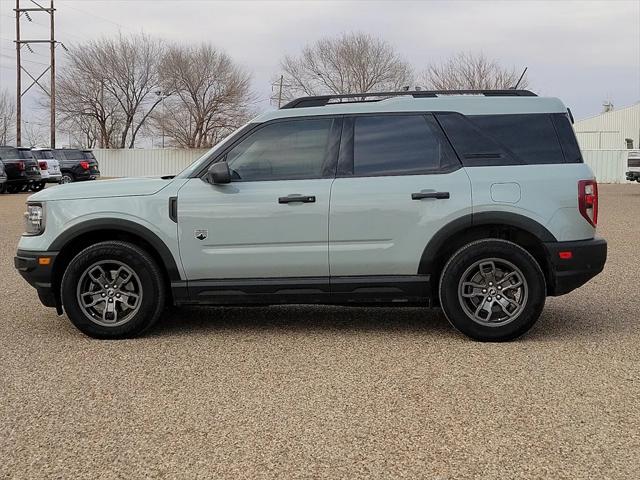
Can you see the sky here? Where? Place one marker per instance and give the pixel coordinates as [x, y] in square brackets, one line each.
[584, 52]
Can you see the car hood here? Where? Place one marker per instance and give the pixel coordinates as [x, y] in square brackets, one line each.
[124, 187]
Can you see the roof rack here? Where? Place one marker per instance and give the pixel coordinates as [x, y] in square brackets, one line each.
[322, 100]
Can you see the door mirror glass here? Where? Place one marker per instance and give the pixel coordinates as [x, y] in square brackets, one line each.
[219, 173]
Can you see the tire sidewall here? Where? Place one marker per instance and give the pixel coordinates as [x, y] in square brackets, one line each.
[502, 249]
[152, 295]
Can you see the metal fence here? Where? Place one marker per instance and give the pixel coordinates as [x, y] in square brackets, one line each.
[144, 163]
[608, 165]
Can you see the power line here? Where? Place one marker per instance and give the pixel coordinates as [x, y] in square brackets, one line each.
[100, 17]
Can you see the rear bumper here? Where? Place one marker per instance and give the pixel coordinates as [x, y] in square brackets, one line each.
[38, 276]
[566, 274]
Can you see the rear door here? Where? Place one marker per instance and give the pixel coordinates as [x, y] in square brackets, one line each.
[398, 183]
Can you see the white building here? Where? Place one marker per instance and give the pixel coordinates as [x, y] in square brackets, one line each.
[612, 130]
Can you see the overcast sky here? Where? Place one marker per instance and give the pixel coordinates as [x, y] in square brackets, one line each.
[584, 52]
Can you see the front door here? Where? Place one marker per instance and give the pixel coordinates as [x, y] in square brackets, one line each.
[271, 221]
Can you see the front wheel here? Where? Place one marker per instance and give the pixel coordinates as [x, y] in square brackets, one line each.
[492, 290]
[113, 289]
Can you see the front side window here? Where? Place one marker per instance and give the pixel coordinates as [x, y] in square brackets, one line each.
[399, 145]
[286, 150]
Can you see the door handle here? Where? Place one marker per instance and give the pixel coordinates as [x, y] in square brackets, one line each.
[436, 195]
[297, 199]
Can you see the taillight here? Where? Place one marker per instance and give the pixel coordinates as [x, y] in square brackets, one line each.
[21, 165]
[84, 165]
[588, 200]
[44, 166]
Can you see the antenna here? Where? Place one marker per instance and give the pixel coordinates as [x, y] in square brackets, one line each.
[521, 77]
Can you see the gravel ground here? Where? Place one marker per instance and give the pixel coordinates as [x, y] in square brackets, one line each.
[291, 392]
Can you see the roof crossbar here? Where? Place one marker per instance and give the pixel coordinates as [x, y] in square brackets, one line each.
[322, 100]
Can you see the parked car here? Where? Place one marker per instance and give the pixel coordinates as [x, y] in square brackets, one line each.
[76, 165]
[477, 202]
[633, 166]
[49, 167]
[3, 178]
[20, 167]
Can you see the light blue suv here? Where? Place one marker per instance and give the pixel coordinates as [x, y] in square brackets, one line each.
[475, 201]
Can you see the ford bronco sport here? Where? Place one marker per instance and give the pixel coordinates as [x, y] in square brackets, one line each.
[475, 201]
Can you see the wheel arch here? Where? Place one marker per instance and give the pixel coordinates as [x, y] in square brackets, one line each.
[73, 240]
[521, 230]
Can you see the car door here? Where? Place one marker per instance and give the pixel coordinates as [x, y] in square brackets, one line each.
[399, 182]
[271, 222]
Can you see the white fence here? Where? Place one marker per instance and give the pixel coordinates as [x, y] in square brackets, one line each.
[144, 163]
[608, 165]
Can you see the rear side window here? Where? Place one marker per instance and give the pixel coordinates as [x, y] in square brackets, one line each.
[567, 138]
[527, 139]
[89, 155]
[399, 145]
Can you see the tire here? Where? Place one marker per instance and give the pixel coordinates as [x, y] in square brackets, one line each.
[36, 186]
[67, 178]
[127, 316]
[15, 187]
[3, 187]
[480, 295]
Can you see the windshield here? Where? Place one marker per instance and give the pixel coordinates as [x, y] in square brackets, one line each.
[187, 172]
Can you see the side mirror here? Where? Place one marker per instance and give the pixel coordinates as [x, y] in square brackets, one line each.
[219, 173]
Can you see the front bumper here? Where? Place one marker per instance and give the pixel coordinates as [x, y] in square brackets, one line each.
[633, 176]
[586, 260]
[38, 275]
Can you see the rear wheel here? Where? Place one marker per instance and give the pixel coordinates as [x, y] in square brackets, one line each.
[36, 186]
[492, 290]
[113, 290]
[67, 178]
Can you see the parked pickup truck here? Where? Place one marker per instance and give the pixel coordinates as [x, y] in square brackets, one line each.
[633, 166]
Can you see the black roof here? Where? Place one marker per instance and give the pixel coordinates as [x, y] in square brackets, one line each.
[322, 100]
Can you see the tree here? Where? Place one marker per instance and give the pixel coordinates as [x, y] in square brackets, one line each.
[34, 135]
[206, 96]
[7, 117]
[112, 81]
[468, 71]
[351, 63]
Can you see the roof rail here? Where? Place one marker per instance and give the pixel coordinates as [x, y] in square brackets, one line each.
[322, 100]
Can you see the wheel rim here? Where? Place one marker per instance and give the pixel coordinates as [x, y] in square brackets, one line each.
[493, 292]
[109, 293]
[65, 179]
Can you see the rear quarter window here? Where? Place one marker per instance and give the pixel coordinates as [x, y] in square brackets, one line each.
[516, 139]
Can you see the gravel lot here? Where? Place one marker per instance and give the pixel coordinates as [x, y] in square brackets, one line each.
[291, 392]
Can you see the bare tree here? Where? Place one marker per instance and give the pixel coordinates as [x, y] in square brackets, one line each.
[206, 95]
[7, 117]
[34, 135]
[351, 63]
[468, 71]
[112, 81]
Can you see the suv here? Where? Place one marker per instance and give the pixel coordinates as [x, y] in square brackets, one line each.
[478, 202]
[76, 165]
[20, 167]
[633, 164]
[49, 167]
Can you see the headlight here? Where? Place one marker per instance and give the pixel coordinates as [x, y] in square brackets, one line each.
[34, 219]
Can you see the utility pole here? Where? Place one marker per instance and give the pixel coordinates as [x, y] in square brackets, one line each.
[277, 98]
[35, 80]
